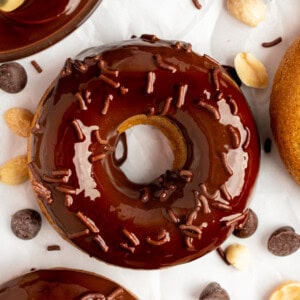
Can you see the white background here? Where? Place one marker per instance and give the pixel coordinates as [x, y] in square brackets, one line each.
[276, 199]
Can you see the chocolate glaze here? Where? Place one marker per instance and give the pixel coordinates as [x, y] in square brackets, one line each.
[37, 22]
[57, 284]
[184, 213]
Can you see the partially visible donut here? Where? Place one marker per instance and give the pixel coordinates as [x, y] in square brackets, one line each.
[186, 212]
[58, 284]
[285, 109]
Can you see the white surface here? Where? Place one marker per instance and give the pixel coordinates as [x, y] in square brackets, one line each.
[276, 200]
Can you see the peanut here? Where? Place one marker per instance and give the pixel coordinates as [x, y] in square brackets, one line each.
[251, 71]
[250, 12]
[19, 120]
[238, 256]
[14, 171]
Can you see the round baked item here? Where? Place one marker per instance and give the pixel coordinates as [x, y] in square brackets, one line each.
[57, 284]
[186, 212]
[285, 109]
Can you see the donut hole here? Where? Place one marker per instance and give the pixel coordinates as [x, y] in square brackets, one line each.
[147, 147]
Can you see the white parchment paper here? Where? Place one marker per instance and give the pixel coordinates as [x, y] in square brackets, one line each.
[276, 200]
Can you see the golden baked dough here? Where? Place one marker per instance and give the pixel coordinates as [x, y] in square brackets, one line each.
[285, 109]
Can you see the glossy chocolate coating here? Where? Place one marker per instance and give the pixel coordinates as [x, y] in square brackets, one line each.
[182, 216]
[36, 23]
[57, 284]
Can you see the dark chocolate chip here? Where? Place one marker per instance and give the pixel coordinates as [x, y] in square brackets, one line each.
[284, 241]
[233, 74]
[267, 145]
[26, 223]
[248, 227]
[13, 77]
[213, 291]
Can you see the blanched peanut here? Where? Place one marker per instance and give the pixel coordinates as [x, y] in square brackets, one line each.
[251, 71]
[250, 12]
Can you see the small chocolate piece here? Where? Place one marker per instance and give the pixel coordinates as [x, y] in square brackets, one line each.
[53, 248]
[197, 4]
[37, 67]
[284, 241]
[213, 291]
[248, 227]
[232, 72]
[267, 145]
[272, 43]
[26, 223]
[13, 77]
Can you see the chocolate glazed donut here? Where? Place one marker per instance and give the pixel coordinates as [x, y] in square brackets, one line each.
[58, 284]
[183, 214]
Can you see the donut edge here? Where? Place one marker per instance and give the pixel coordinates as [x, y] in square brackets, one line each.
[285, 109]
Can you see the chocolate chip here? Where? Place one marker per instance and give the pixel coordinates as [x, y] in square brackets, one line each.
[26, 223]
[13, 77]
[213, 291]
[267, 145]
[284, 241]
[233, 74]
[248, 227]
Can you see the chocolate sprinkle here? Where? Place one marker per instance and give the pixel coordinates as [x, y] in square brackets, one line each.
[93, 296]
[164, 65]
[211, 109]
[226, 164]
[36, 66]
[41, 191]
[78, 234]
[235, 136]
[150, 82]
[67, 69]
[78, 130]
[53, 248]
[172, 216]
[233, 106]
[102, 66]
[149, 37]
[68, 200]
[109, 81]
[116, 293]
[98, 137]
[191, 230]
[132, 237]
[213, 291]
[181, 95]
[107, 100]
[272, 43]
[166, 106]
[81, 101]
[127, 247]
[26, 223]
[163, 238]
[204, 202]
[88, 222]
[247, 142]
[13, 77]
[100, 241]
[284, 241]
[197, 4]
